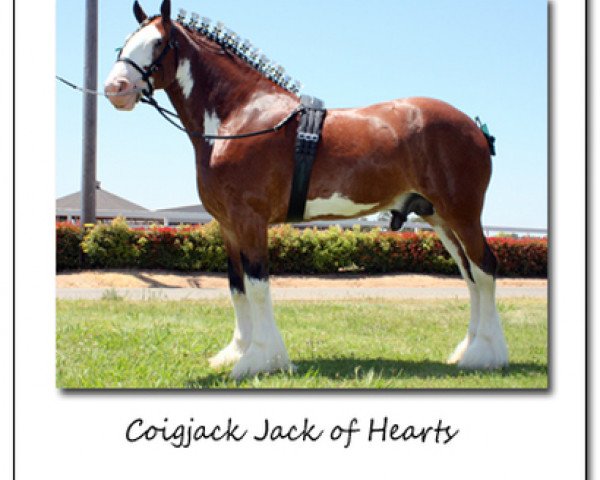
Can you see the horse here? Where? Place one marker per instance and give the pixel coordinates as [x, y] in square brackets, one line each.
[408, 155]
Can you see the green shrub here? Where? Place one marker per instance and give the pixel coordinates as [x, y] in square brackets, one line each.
[111, 245]
[308, 251]
[186, 248]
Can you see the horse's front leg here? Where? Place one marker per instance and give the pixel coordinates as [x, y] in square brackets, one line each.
[242, 334]
[266, 352]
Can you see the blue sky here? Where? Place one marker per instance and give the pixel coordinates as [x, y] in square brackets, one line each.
[487, 58]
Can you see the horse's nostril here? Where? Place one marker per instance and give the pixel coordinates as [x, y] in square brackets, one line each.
[122, 85]
[117, 86]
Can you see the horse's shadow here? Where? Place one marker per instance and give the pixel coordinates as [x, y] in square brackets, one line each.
[374, 368]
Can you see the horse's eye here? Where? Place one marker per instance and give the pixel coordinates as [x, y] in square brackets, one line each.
[159, 43]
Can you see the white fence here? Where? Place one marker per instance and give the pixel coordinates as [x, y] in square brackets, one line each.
[419, 226]
[166, 218]
[175, 218]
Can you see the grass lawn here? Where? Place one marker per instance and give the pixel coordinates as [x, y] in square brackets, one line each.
[114, 343]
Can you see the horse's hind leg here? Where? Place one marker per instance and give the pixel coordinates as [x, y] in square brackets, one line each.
[266, 351]
[487, 349]
[454, 247]
[242, 334]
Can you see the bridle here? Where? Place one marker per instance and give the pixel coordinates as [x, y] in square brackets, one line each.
[154, 66]
[146, 95]
[148, 98]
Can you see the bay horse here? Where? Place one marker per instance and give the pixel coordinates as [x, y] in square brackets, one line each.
[410, 155]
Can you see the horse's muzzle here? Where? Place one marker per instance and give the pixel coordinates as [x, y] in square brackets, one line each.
[127, 97]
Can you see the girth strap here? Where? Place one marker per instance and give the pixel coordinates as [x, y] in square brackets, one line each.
[307, 141]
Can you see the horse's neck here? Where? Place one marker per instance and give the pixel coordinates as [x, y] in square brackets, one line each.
[210, 84]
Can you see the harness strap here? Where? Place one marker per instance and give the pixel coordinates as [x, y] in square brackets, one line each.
[166, 113]
[307, 141]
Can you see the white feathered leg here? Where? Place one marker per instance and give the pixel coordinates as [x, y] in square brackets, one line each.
[488, 349]
[452, 247]
[462, 347]
[266, 352]
[242, 334]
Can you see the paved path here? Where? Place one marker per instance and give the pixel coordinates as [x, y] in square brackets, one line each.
[300, 293]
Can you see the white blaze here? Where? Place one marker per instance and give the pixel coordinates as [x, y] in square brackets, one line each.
[138, 48]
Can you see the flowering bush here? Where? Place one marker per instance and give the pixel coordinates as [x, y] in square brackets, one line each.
[291, 250]
[521, 257]
[68, 245]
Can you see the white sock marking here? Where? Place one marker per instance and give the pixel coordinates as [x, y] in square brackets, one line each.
[488, 349]
[473, 290]
[242, 333]
[462, 347]
[266, 352]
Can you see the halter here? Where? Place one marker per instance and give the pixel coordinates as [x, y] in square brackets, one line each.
[154, 66]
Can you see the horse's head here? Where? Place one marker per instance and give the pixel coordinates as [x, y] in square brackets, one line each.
[146, 62]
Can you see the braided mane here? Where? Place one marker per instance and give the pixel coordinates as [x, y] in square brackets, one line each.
[229, 41]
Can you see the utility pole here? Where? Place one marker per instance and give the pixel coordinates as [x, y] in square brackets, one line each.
[88, 180]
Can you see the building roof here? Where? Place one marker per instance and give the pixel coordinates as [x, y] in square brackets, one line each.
[104, 201]
[199, 208]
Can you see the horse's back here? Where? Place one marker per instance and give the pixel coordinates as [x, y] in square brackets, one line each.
[416, 126]
[405, 116]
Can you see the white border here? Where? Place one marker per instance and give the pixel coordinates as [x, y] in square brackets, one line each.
[594, 231]
[6, 247]
[502, 435]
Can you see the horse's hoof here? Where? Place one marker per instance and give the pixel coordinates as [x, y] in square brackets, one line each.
[228, 356]
[459, 352]
[485, 353]
[257, 360]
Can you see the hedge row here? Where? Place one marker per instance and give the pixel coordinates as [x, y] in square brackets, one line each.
[291, 250]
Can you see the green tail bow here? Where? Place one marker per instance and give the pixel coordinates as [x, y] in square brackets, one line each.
[486, 132]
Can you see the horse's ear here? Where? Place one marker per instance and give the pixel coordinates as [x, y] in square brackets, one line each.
[140, 16]
[165, 10]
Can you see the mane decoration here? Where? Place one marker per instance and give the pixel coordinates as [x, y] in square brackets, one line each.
[231, 41]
